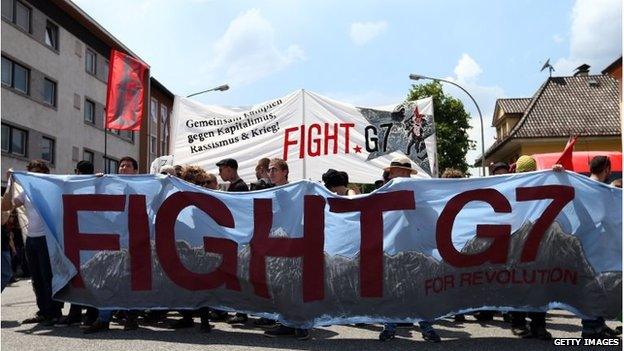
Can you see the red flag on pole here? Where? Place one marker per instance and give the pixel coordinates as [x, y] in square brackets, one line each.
[566, 156]
[126, 88]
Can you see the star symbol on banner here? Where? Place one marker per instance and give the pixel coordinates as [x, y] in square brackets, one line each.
[358, 149]
[395, 132]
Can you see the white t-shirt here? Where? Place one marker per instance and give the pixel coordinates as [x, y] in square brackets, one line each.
[35, 227]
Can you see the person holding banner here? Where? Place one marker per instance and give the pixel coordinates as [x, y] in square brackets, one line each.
[401, 167]
[36, 250]
[278, 172]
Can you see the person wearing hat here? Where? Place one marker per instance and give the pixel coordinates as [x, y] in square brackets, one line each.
[228, 170]
[401, 167]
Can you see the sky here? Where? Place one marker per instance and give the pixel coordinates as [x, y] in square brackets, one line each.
[362, 52]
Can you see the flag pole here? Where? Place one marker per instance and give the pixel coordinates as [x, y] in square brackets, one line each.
[105, 145]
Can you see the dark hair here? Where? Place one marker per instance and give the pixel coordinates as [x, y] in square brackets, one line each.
[263, 163]
[333, 178]
[135, 164]
[385, 176]
[40, 165]
[84, 167]
[598, 164]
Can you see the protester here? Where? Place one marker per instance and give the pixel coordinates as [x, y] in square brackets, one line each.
[278, 171]
[228, 170]
[452, 173]
[617, 183]
[198, 176]
[262, 174]
[537, 326]
[75, 311]
[401, 167]
[499, 168]
[596, 328]
[600, 168]
[7, 248]
[337, 182]
[127, 166]
[36, 250]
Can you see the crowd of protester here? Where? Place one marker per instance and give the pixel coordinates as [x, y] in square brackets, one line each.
[25, 254]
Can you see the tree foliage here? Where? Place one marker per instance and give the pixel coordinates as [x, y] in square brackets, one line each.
[452, 124]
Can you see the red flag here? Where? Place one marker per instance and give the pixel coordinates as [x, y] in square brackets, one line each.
[566, 156]
[124, 96]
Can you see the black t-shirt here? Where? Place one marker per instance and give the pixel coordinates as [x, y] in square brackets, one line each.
[238, 185]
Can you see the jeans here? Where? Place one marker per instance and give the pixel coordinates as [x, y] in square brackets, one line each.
[425, 326]
[7, 271]
[41, 272]
[105, 315]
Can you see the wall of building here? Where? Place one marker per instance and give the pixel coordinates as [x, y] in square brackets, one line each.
[65, 123]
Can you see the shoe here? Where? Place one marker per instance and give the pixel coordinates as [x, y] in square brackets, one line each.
[238, 318]
[131, 324]
[613, 333]
[484, 316]
[96, 327]
[459, 318]
[265, 323]
[182, 323]
[49, 322]
[431, 336]
[205, 326]
[521, 331]
[506, 317]
[386, 335]
[281, 330]
[604, 333]
[540, 333]
[302, 334]
[67, 321]
[218, 316]
[36, 319]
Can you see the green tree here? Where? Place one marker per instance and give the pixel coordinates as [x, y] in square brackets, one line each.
[452, 124]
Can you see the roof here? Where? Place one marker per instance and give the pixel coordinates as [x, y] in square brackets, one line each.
[514, 105]
[585, 105]
[613, 65]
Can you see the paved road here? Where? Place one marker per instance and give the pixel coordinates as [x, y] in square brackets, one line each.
[18, 303]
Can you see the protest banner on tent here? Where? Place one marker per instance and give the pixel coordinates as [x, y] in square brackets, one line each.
[413, 249]
[311, 132]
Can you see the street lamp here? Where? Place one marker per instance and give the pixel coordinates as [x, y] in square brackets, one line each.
[223, 87]
[418, 76]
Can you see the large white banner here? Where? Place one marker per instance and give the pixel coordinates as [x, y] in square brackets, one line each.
[311, 132]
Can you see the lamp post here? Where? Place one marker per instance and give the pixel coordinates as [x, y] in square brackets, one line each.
[418, 77]
[223, 87]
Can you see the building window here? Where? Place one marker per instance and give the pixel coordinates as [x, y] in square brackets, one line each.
[49, 92]
[91, 62]
[105, 70]
[15, 75]
[22, 15]
[110, 165]
[88, 156]
[14, 140]
[89, 111]
[47, 149]
[153, 144]
[154, 110]
[51, 35]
